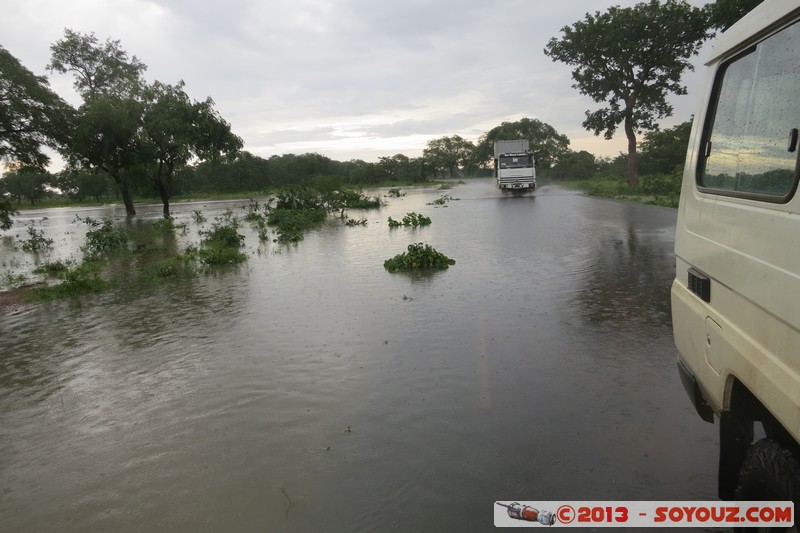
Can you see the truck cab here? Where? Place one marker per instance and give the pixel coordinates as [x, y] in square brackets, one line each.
[736, 294]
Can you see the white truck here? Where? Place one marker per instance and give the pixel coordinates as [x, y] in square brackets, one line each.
[514, 166]
[736, 294]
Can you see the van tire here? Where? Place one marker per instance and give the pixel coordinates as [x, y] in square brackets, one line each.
[769, 473]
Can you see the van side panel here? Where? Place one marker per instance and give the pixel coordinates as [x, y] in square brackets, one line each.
[750, 252]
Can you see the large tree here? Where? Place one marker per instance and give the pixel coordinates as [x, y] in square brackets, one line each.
[31, 115]
[104, 135]
[449, 153]
[631, 59]
[99, 68]
[176, 129]
[544, 140]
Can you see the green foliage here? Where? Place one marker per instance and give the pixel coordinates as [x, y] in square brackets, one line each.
[631, 58]
[100, 69]
[56, 267]
[6, 212]
[220, 245]
[254, 213]
[198, 217]
[418, 256]
[36, 240]
[548, 145]
[291, 223]
[82, 279]
[442, 200]
[722, 14]
[394, 193]
[31, 114]
[665, 150]
[410, 219]
[173, 267]
[448, 154]
[352, 222]
[165, 225]
[106, 238]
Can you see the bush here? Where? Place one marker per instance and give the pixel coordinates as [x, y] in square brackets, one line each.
[418, 256]
[105, 238]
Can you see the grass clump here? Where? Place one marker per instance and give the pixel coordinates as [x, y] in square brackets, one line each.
[418, 256]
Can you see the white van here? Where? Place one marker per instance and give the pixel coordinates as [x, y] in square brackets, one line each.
[736, 294]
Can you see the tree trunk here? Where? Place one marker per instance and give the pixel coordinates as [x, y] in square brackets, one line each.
[126, 194]
[633, 162]
[162, 178]
[162, 191]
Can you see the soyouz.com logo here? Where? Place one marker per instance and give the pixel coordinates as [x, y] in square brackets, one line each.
[643, 514]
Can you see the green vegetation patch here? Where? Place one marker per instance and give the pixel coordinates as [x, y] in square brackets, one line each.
[410, 219]
[418, 256]
[106, 238]
[36, 241]
[290, 223]
[220, 245]
[83, 279]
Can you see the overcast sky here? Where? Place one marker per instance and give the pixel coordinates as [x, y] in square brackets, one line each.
[344, 78]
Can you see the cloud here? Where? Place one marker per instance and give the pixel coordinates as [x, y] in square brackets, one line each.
[347, 78]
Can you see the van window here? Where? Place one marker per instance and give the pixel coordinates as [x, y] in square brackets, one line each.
[757, 107]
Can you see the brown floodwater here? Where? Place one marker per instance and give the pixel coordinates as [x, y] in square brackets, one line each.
[311, 390]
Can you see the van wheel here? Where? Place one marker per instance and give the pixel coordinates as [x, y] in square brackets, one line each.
[769, 473]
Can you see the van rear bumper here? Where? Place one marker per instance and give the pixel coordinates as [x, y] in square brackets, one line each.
[693, 390]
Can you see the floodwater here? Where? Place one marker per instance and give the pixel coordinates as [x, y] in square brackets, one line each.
[311, 390]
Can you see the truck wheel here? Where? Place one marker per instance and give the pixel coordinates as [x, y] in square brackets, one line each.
[770, 473]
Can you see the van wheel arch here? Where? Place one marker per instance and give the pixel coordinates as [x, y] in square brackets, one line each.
[737, 435]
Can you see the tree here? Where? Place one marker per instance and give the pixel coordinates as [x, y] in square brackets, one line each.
[723, 14]
[575, 165]
[82, 183]
[663, 151]
[631, 59]
[106, 124]
[544, 140]
[175, 129]
[6, 212]
[31, 115]
[105, 138]
[99, 69]
[26, 182]
[449, 153]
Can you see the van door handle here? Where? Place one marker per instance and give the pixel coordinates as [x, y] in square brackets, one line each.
[793, 140]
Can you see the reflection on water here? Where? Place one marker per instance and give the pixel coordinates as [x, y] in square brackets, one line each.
[310, 390]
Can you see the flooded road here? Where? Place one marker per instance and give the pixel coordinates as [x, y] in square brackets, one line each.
[311, 390]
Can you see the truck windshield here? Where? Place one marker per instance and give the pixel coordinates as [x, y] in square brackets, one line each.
[516, 161]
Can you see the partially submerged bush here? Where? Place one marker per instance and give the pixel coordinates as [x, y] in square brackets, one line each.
[36, 240]
[106, 238]
[418, 256]
[411, 219]
[221, 244]
[291, 223]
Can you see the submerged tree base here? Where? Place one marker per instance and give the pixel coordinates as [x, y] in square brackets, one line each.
[418, 256]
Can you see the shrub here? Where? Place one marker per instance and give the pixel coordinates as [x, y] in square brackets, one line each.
[36, 240]
[418, 256]
[105, 238]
